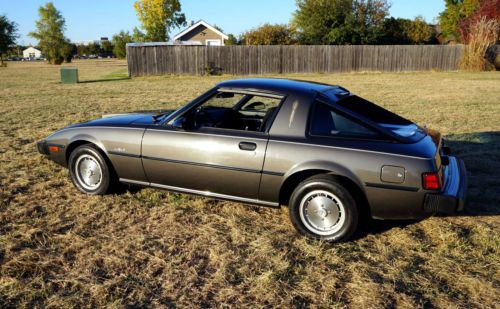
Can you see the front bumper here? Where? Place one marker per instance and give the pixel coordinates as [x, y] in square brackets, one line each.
[43, 147]
[452, 198]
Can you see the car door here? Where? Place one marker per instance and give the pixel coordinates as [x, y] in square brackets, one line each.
[229, 164]
[207, 160]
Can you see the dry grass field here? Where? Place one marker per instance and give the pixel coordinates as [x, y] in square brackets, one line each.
[142, 248]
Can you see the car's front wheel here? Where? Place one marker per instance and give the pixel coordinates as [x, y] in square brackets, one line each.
[89, 170]
[322, 208]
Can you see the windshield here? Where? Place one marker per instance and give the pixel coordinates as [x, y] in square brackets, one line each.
[387, 120]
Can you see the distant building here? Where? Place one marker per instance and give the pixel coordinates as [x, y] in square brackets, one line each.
[32, 53]
[200, 33]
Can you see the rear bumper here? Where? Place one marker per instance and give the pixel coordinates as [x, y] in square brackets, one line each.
[452, 199]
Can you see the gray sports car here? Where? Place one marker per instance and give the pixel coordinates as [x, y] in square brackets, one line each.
[329, 155]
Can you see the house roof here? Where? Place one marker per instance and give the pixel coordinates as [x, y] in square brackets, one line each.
[185, 43]
[198, 23]
[31, 48]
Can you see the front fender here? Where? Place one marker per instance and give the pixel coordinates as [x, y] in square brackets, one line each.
[65, 139]
[81, 137]
[121, 145]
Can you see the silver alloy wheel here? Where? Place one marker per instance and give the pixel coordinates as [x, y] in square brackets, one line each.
[88, 172]
[322, 212]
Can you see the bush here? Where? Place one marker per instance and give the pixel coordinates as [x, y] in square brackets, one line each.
[212, 69]
[406, 31]
[488, 9]
[482, 35]
[269, 34]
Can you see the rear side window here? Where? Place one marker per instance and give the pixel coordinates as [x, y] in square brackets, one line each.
[326, 121]
[384, 118]
[372, 111]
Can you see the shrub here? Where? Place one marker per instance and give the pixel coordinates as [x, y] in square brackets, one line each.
[269, 34]
[212, 69]
[488, 9]
[482, 35]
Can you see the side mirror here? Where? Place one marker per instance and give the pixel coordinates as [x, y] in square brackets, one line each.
[179, 123]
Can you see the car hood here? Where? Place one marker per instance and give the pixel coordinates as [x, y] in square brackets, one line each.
[135, 119]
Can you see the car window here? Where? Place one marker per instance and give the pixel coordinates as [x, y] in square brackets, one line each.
[388, 120]
[371, 111]
[235, 111]
[224, 99]
[326, 121]
[258, 103]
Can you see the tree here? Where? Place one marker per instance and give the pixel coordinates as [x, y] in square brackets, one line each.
[322, 21]
[395, 31]
[340, 21]
[158, 17]
[107, 48]
[455, 11]
[138, 35]
[8, 35]
[418, 31]
[67, 51]
[231, 40]
[218, 28]
[15, 51]
[50, 33]
[92, 48]
[367, 21]
[406, 31]
[268, 34]
[120, 41]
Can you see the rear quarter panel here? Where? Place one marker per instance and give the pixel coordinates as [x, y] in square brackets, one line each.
[363, 167]
[291, 150]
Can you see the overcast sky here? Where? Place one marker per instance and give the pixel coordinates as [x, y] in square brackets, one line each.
[92, 19]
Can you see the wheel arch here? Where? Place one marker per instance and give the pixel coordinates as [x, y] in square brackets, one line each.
[86, 140]
[79, 140]
[296, 175]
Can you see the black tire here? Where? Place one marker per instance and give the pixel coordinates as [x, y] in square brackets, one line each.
[92, 155]
[308, 212]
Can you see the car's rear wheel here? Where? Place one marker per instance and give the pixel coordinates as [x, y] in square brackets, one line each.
[89, 170]
[322, 208]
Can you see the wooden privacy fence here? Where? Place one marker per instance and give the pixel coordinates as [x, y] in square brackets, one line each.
[156, 59]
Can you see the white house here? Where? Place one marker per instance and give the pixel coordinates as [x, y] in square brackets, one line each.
[200, 33]
[32, 53]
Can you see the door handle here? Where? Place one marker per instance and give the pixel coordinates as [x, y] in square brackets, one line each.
[247, 146]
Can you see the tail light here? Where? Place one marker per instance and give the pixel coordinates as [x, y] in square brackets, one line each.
[431, 181]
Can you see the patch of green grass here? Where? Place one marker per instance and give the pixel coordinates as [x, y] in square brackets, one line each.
[152, 248]
[119, 74]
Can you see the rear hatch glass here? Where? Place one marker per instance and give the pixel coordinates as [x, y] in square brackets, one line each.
[385, 119]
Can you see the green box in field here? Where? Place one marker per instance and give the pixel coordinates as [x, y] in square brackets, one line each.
[69, 75]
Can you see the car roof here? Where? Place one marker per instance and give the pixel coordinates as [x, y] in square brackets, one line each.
[278, 85]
